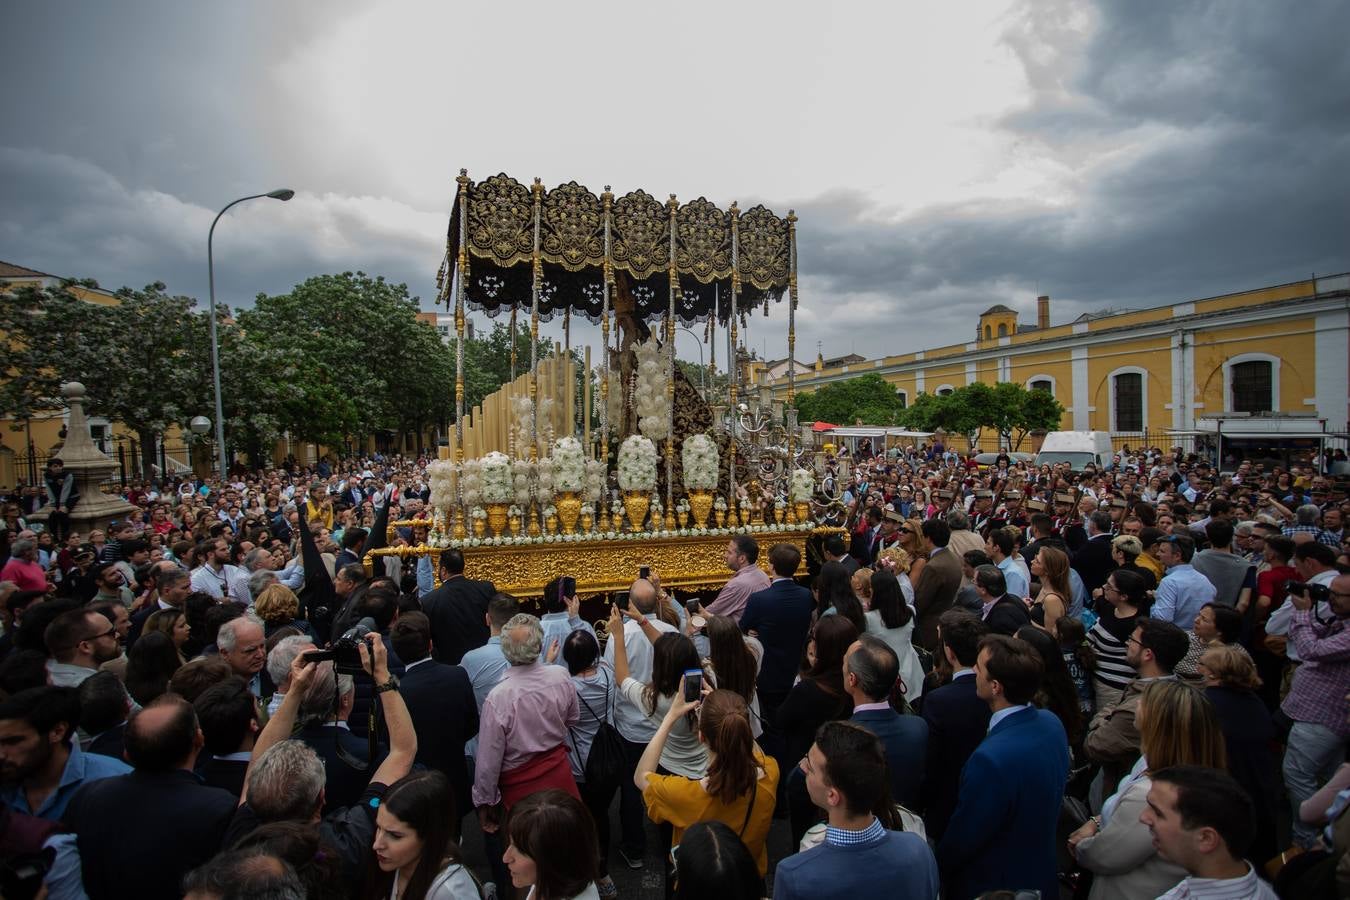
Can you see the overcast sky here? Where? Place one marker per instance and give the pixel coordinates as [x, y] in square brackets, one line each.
[942, 157]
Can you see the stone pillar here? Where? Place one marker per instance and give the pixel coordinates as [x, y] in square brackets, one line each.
[90, 466]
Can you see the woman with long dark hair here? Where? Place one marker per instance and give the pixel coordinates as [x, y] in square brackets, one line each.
[552, 848]
[1058, 693]
[734, 660]
[1122, 600]
[672, 656]
[151, 662]
[740, 787]
[834, 595]
[414, 856]
[819, 696]
[1055, 596]
[891, 619]
[714, 862]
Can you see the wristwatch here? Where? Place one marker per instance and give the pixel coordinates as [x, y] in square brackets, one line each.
[390, 685]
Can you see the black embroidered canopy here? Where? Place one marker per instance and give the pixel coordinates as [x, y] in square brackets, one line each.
[577, 236]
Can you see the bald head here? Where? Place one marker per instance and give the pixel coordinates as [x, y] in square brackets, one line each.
[163, 736]
[643, 595]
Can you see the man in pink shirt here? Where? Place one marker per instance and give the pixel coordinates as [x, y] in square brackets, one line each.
[523, 728]
[23, 568]
[742, 551]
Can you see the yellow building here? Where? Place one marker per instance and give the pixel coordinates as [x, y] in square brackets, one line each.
[1155, 373]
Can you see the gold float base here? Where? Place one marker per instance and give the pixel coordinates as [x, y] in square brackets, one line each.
[691, 562]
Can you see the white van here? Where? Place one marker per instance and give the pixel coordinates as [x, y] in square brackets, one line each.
[1078, 449]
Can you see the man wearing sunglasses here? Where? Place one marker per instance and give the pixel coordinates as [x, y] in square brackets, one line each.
[79, 641]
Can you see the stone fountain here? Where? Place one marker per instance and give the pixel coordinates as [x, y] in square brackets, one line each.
[91, 468]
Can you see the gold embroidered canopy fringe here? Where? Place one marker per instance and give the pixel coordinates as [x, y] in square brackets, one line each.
[581, 238]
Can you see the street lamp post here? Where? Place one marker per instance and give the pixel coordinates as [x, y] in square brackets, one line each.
[279, 194]
[702, 369]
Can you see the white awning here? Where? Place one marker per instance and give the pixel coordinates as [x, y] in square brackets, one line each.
[877, 431]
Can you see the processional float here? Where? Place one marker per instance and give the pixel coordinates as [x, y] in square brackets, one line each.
[528, 491]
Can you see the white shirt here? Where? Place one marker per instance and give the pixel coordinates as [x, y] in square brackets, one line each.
[631, 720]
[209, 581]
[1004, 713]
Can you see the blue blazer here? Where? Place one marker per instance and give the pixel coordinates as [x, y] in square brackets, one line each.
[781, 615]
[905, 740]
[1002, 835]
[957, 721]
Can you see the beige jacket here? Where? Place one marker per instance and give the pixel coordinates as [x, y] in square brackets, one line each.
[1121, 856]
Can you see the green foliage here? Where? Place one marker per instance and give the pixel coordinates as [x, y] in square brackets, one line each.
[867, 399]
[1007, 408]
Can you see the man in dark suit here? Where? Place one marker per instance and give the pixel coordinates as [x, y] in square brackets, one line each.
[780, 617]
[1002, 834]
[1093, 561]
[346, 758]
[1001, 611]
[938, 582]
[871, 670]
[441, 703]
[836, 552]
[229, 717]
[866, 537]
[178, 822]
[457, 610]
[1043, 535]
[957, 718]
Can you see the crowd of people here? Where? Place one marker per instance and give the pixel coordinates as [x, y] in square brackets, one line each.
[1119, 683]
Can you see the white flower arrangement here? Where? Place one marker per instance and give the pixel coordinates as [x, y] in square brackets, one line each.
[595, 480]
[497, 478]
[588, 509]
[513, 511]
[521, 471]
[478, 513]
[649, 393]
[544, 473]
[700, 457]
[550, 510]
[803, 486]
[720, 503]
[569, 465]
[441, 478]
[780, 504]
[471, 481]
[637, 464]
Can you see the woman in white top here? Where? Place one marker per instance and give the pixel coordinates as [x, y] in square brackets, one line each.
[552, 849]
[413, 856]
[892, 620]
[672, 656]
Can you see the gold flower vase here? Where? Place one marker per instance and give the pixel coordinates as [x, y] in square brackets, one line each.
[496, 518]
[635, 504]
[568, 504]
[803, 511]
[587, 523]
[700, 504]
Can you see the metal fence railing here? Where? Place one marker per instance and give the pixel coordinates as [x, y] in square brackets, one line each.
[126, 453]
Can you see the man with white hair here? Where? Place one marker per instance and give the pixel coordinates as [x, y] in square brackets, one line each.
[279, 662]
[23, 568]
[287, 781]
[241, 643]
[524, 726]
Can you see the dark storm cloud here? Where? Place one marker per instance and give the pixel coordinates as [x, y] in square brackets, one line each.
[1232, 122]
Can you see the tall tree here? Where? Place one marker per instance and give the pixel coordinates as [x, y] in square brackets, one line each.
[868, 399]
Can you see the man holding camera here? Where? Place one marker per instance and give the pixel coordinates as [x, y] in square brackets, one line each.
[1316, 702]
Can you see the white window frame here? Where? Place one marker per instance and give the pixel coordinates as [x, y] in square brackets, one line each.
[1228, 364]
[1054, 383]
[944, 387]
[1143, 397]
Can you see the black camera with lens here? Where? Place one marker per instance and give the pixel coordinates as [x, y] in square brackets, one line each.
[1318, 593]
[345, 652]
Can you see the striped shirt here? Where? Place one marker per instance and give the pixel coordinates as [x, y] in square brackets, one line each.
[1248, 887]
[1112, 669]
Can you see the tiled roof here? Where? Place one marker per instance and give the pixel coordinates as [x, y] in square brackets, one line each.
[9, 270]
